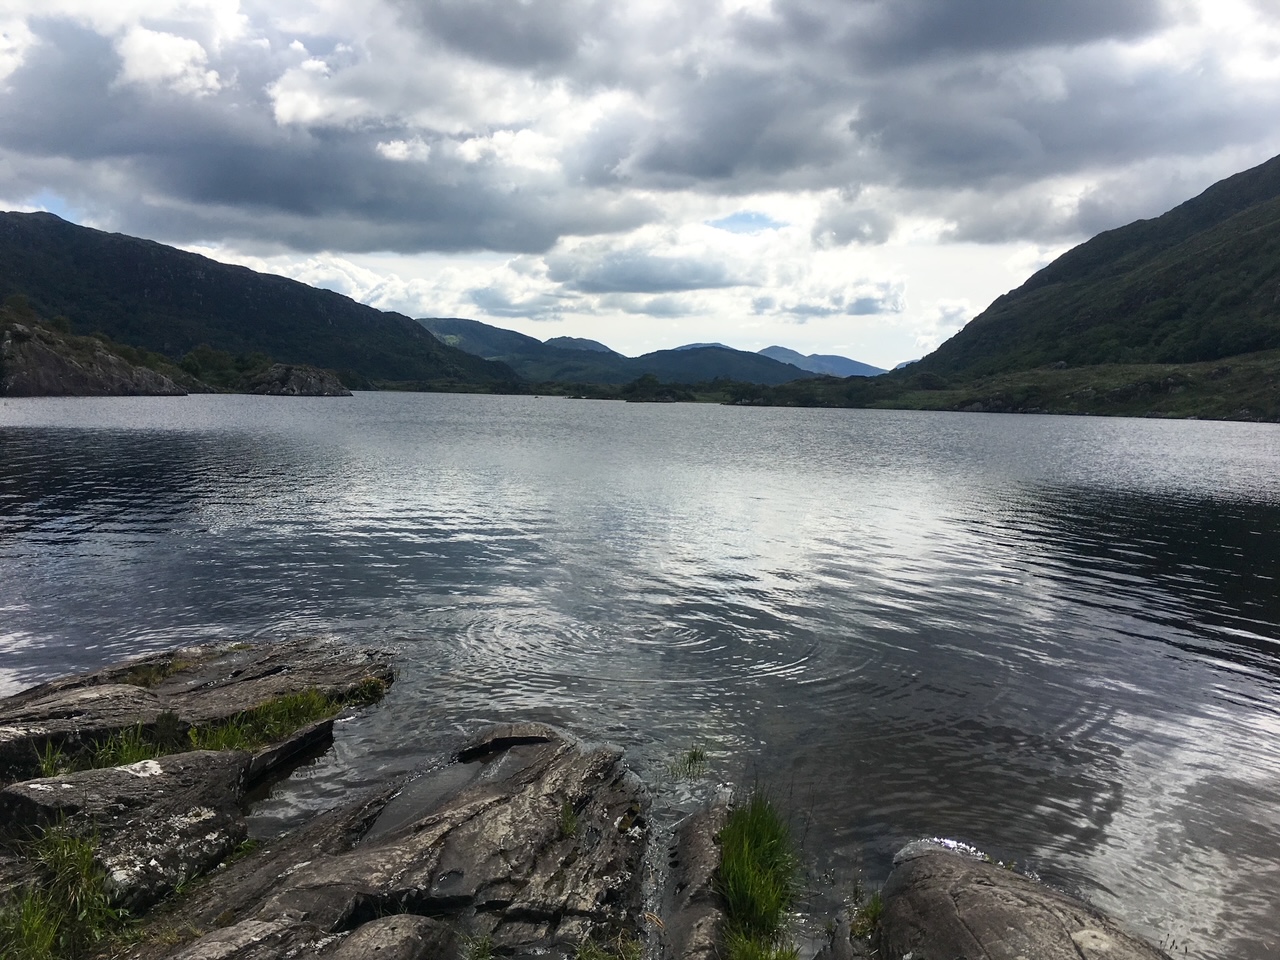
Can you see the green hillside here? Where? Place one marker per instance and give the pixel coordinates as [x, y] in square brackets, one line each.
[169, 301]
[1200, 283]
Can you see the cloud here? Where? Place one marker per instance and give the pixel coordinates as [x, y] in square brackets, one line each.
[151, 58]
[660, 161]
[641, 271]
[840, 225]
[943, 320]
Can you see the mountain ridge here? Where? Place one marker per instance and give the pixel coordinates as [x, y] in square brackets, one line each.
[160, 298]
[1199, 283]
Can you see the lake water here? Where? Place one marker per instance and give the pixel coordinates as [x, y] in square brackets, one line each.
[1057, 639]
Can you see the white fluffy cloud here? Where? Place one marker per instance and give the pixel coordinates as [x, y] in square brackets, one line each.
[152, 58]
[831, 176]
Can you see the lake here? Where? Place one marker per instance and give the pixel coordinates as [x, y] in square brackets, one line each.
[1056, 639]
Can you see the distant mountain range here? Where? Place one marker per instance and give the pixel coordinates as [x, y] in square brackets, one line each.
[829, 364]
[576, 360]
[158, 298]
[573, 360]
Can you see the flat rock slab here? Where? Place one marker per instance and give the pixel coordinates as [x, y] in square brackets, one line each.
[158, 822]
[184, 687]
[536, 845]
[944, 905]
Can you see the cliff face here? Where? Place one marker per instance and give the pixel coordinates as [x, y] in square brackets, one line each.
[38, 362]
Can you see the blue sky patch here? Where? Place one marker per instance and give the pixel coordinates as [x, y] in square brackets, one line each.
[746, 221]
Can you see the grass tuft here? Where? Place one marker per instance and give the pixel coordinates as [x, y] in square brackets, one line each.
[739, 947]
[866, 916]
[477, 948]
[266, 724]
[53, 762]
[568, 820]
[757, 878]
[130, 745]
[690, 765]
[67, 915]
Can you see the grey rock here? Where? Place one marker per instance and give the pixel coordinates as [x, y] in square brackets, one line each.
[188, 686]
[692, 910]
[67, 719]
[38, 362]
[536, 845]
[258, 940]
[399, 938]
[940, 905]
[158, 822]
[297, 380]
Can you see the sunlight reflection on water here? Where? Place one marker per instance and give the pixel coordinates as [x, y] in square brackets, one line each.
[1056, 639]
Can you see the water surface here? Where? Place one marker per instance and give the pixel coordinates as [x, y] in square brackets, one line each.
[1057, 639]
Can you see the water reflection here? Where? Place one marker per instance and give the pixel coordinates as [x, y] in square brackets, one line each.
[1055, 639]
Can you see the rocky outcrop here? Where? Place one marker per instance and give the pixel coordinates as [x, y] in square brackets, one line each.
[940, 904]
[158, 822]
[526, 842]
[36, 361]
[529, 841]
[170, 692]
[296, 380]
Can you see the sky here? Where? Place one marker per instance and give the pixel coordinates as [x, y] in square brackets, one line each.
[858, 177]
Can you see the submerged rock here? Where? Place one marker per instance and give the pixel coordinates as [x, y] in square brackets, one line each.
[940, 904]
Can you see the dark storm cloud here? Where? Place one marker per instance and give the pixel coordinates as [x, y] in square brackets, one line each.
[221, 170]
[741, 121]
[891, 32]
[959, 110]
[528, 33]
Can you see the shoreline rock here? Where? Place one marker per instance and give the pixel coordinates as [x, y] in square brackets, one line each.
[36, 361]
[526, 842]
[940, 903]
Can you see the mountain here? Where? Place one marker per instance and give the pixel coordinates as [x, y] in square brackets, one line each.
[1200, 283]
[829, 364]
[170, 301]
[579, 343]
[699, 346]
[542, 363]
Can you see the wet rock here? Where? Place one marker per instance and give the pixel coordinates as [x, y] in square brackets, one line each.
[533, 840]
[180, 688]
[692, 911]
[940, 904]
